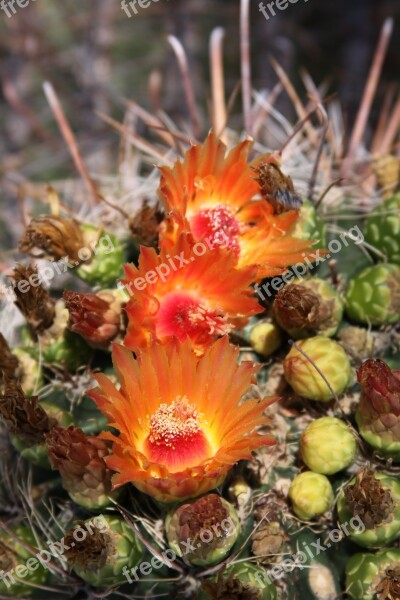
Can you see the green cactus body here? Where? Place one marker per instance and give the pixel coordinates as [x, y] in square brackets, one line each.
[379, 535]
[243, 579]
[382, 229]
[373, 296]
[19, 566]
[329, 357]
[125, 551]
[106, 259]
[364, 572]
[309, 225]
[328, 445]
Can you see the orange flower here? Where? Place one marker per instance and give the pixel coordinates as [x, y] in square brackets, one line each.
[180, 422]
[216, 193]
[189, 290]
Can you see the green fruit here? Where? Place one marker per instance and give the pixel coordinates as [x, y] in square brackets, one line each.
[310, 226]
[331, 360]
[382, 229]
[328, 446]
[311, 495]
[103, 557]
[365, 574]
[376, 505]
[20, 570]
[105, 261]
[373, 296]
[266, 338]
[69, 351]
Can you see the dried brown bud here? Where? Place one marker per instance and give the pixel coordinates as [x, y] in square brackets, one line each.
[53, 237]
[230, 589]
[276, 187]
[298, 308]
[200, 515]
[145, 224]
[389, 587]
[33, 300]
[80, 460]
[369, 500]
[268, 541]
[91, 552]
[96, 317]
[8, 361]
[23, 416]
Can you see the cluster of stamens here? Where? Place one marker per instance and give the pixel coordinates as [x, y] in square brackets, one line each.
[173, 423]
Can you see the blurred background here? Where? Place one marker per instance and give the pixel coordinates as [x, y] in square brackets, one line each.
[95, 54]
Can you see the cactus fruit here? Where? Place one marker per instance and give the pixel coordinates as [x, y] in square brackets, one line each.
[331, 360]
[382, 229]
[311, 495]
[328, 446]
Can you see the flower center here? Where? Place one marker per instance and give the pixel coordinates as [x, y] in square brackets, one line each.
[181, 315]
[176, 438]
[219, 225]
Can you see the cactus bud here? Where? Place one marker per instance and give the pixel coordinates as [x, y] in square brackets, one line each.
[328, 446]
[374, 576]
[378, 414]
[265, 338]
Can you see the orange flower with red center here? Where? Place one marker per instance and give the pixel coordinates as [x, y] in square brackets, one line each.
[188, 290]
[217, 193]
[180, 421]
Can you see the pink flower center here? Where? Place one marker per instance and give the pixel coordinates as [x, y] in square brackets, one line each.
[219, 225]
[176, 439]
[180, 315]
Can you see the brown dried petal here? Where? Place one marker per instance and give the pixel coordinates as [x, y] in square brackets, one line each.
[297, 307]
[80, 459]
[90, 553]
[369, 500]
[145, 224]
[9, 363]
[389, 587]
[276, 187]
[200, 515]
[380, 395]
[53, 237]
[96, 317]
[23, 416]
[33, 301]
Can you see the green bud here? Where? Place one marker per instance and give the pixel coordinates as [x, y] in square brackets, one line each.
[374, 576]
[374, 499]
[309, 225]
[106, 257]
[382, 229]
[101, 548]
[311, 495]
[328, 446]
[266, 338]
[211, 525]
[331, 360]
[373, 296]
